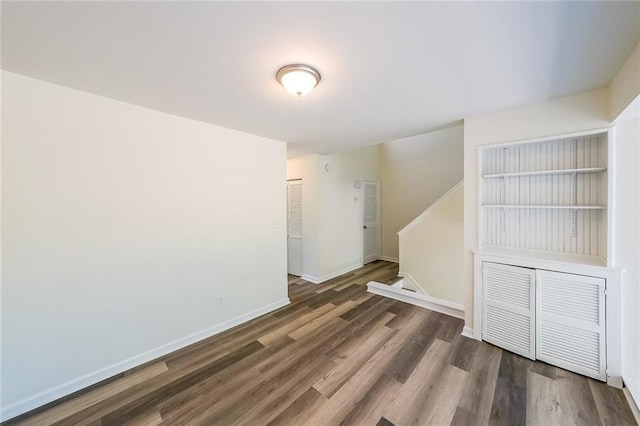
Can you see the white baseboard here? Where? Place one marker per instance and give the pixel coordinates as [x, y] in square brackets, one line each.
[327, 277]
[82, 382]
[632, 404]
[309, 278]
[615, 381]
[632, 393]
[390, 259]
[435, 304]
[467, 332]
[410, 283]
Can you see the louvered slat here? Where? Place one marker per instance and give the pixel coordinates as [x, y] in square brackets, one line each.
[508, 308]
[508, 327]
[570, 322]
[574, 347]
[295, 209]
[510, 287]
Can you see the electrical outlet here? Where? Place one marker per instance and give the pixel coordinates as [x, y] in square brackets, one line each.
[219, 301]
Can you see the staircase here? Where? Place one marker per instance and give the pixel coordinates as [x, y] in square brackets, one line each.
[431, 258]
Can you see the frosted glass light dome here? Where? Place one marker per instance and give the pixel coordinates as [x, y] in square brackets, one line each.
[298, 79]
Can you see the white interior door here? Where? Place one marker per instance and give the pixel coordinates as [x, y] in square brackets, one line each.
[294, 227]
[370, 221]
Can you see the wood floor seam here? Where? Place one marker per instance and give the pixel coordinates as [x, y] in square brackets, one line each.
[339, 355]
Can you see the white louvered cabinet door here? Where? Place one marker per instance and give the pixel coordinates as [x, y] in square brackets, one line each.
[570, 322]
[509, 307]
[294, 228]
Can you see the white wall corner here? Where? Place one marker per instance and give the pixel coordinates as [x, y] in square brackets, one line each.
[57, 392]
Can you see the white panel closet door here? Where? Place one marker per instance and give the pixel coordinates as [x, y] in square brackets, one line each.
[294, 227]
[570, 322]
[370, 222]
[509, 307]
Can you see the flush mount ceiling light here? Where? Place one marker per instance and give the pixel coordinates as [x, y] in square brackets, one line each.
[298, 79]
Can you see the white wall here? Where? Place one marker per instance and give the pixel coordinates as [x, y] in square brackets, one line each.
[585, 111]
[332, 240]
[308, 168]
[120, 228]
[627, 244]
[625, 86]
[341, 206]
[431, 248]
[590, 110]
[415, 172]
[624, 105]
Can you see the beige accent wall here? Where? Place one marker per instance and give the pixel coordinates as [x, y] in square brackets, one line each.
[415, 172]
[431, 251]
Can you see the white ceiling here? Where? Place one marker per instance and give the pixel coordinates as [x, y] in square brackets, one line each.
[389, 70]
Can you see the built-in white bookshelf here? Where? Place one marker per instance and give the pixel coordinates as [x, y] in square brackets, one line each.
[543, 275]
[547, 196]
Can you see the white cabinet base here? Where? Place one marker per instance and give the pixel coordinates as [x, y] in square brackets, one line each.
[573, 312]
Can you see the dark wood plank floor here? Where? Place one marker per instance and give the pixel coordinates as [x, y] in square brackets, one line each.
[339, 355]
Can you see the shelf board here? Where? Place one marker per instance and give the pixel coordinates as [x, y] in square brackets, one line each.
[547, 172]
[529, 206]
[580, 259]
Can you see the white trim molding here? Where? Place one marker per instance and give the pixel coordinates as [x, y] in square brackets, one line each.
[424, 301]
[390, 259]
[632, 402]
[410, 283]
[429, 209]
[327, 277]
[467, 332]
[82, 382]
